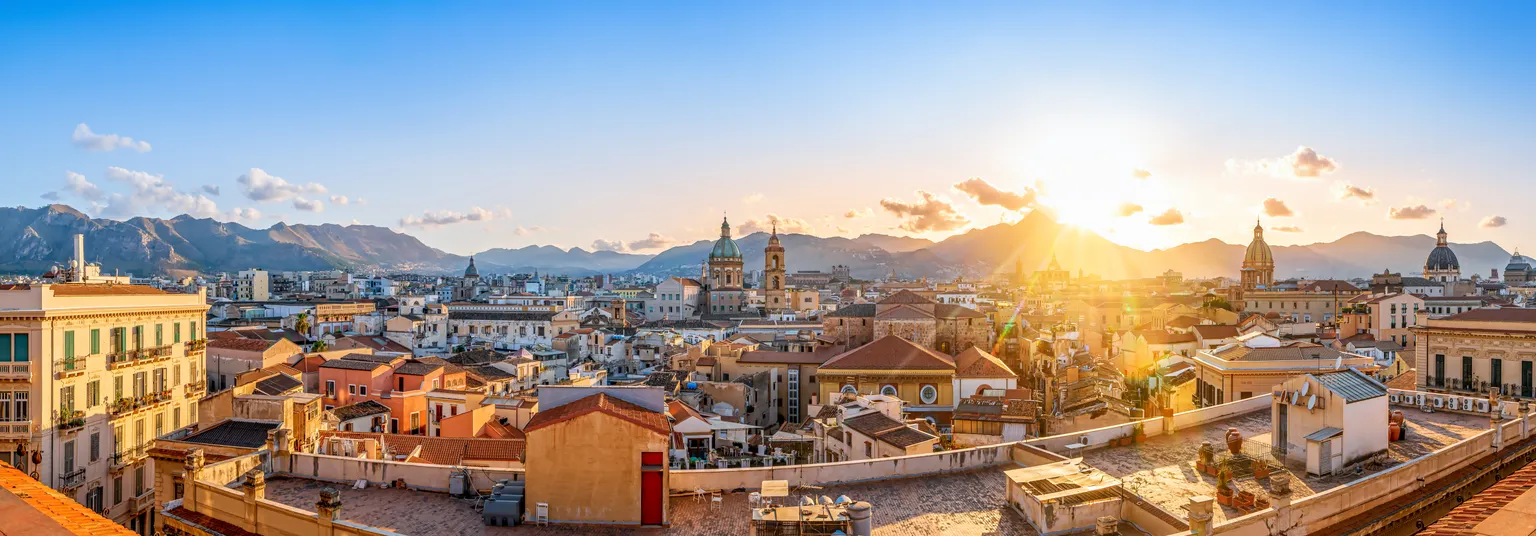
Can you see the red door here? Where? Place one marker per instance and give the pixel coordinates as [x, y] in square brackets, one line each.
[651, 487]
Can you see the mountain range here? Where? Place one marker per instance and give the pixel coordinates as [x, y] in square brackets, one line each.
[40, 238]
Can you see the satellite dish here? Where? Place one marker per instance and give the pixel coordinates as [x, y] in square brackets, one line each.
[1305, 387]
[1295, 395]
[1311, 402]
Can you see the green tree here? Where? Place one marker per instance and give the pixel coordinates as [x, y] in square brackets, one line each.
[301, 324]
[319, 346]
[1217, 302]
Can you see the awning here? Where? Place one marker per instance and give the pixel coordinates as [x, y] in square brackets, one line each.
[775, 488]
[1324, 434]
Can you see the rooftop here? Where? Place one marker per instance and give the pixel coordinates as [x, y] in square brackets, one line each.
[890, 353]
[1162, 469]
[29, 507]
[233, 433]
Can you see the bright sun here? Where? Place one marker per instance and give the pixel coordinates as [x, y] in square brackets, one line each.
[1086, 177]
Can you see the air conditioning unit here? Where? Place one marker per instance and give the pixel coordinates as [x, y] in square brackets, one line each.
[1439, 402]
[1393, 398]
[1482, 406]
[1452, 403]
[1420, 399]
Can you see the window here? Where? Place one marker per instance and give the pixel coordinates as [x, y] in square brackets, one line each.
[928, 394]
[1496, 374]
[69, 456]
[362, 390]
[888, 390]
[330, 388]
[69, 345]
[869, 450]
[95, 341]
[351, 388]
[849, 389]
[13, 347]
[117, 491]
[159, 334]
[117, 387]
[95, 446]
[93, 393]
[67, 398]
[176, 332]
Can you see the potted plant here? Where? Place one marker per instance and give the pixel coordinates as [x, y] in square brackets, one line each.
[1260, 469]
[1139, 433]
[1224, 495]
[1243, 500]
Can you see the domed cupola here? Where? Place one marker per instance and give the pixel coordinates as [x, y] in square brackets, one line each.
[725, 248]
[471, 271]
[1442, 264]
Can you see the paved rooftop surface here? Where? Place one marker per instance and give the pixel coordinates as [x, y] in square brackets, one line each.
[1163, 469]
[969, 503]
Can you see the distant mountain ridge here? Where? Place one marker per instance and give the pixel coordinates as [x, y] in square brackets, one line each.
[39, 238]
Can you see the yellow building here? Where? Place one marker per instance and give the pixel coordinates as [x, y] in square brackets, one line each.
[90, 375]
[893, 366]
[598, 455]
[1477, 350]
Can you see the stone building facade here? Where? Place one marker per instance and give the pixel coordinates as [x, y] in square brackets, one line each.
[945, 328]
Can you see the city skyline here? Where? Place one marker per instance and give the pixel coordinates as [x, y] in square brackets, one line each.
[1150, 128]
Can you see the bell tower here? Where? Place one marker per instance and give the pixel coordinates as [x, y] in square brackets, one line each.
[774, 297]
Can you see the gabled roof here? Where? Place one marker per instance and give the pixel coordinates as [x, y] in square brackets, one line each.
[880, 427]
[974, 363]
[1351, 384]
[242, 344]
[1184, 322]
[906, 297]
[277, 384]
[1503, 314]
[857, 310]
[1216, 331]
[1406, 381]
[904, 313]
[360, 409]
[890, 353]
[233, 433]
[949, 310]
[417, 368]
[601, 403]
[352, 364]
[817, 357]
[1163, 337]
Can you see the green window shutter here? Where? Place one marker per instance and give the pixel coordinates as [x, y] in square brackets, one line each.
[176, 332]
[95, 341]
[69, 345]
[5, 348]
[22, 353]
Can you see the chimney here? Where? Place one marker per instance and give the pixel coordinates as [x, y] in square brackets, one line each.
[79, 275]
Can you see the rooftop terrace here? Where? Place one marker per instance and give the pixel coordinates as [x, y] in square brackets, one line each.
[1162, 469]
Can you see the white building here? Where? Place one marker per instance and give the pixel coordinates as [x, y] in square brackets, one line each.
[1329, 420]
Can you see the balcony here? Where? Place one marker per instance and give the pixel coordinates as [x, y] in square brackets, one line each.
[20, 371]
[16, 429]
[195, 389]
[72, 479]
[129, 358]
[195, 346]
[69, 367]
[69, 421]
[124, 407]
[142, 501]
[128, 456]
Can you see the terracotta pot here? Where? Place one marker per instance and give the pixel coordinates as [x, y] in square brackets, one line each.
[1260, 469]
[1234, 441]
[1141, 437]
[1394, 431]
[1224, 497]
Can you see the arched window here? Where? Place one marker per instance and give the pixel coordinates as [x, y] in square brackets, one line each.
[928, 394]
[984, 388]
[888, 390]
[850, 389]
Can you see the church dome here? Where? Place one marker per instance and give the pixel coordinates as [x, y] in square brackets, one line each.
[1518, 263]
[725, 248]
[1258, 253]
[1442, 258]
[471, 271]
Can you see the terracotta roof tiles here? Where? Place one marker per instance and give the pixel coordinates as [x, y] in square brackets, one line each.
[974, 363]
[601, 403]
[890, 353]
[29, 507]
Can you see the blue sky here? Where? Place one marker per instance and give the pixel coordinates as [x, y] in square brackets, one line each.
[482, 125]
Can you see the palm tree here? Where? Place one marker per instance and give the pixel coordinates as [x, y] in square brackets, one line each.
[1217, 302]
[318, 346]
[301, 324]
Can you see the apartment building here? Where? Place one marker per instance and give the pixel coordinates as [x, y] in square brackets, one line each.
[90, 374]
[1477, 350]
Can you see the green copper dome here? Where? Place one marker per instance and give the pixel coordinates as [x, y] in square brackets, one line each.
[725, 248]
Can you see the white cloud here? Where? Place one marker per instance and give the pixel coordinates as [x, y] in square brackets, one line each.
[766, 224]
[1170, 217]
[1128, 208]
[608, 245]
[1286, 228]
[654, 241]
[82, 188]
[932, 213]
[1417, 212]
[859, 213]
[986, 194]
[752, 198]
[1276, 208]
[1304, 163]
[152, 194]
[244, 214]
[211, 189]
[1492, 222]
[1346, 190]
[263, 187]
[449, 217]
[308, 205]
[1140, 173]
[525, 231]
[340, 200]
[51, 196]
[90, 141]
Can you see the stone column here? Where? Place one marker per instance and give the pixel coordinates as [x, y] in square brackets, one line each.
[1167, 421]
[1106, 526]
[1525, 422]
[192, 468]
[255, 488]
[1495, 418]
[329, 508]
[1200, 515]
[1279, 490]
